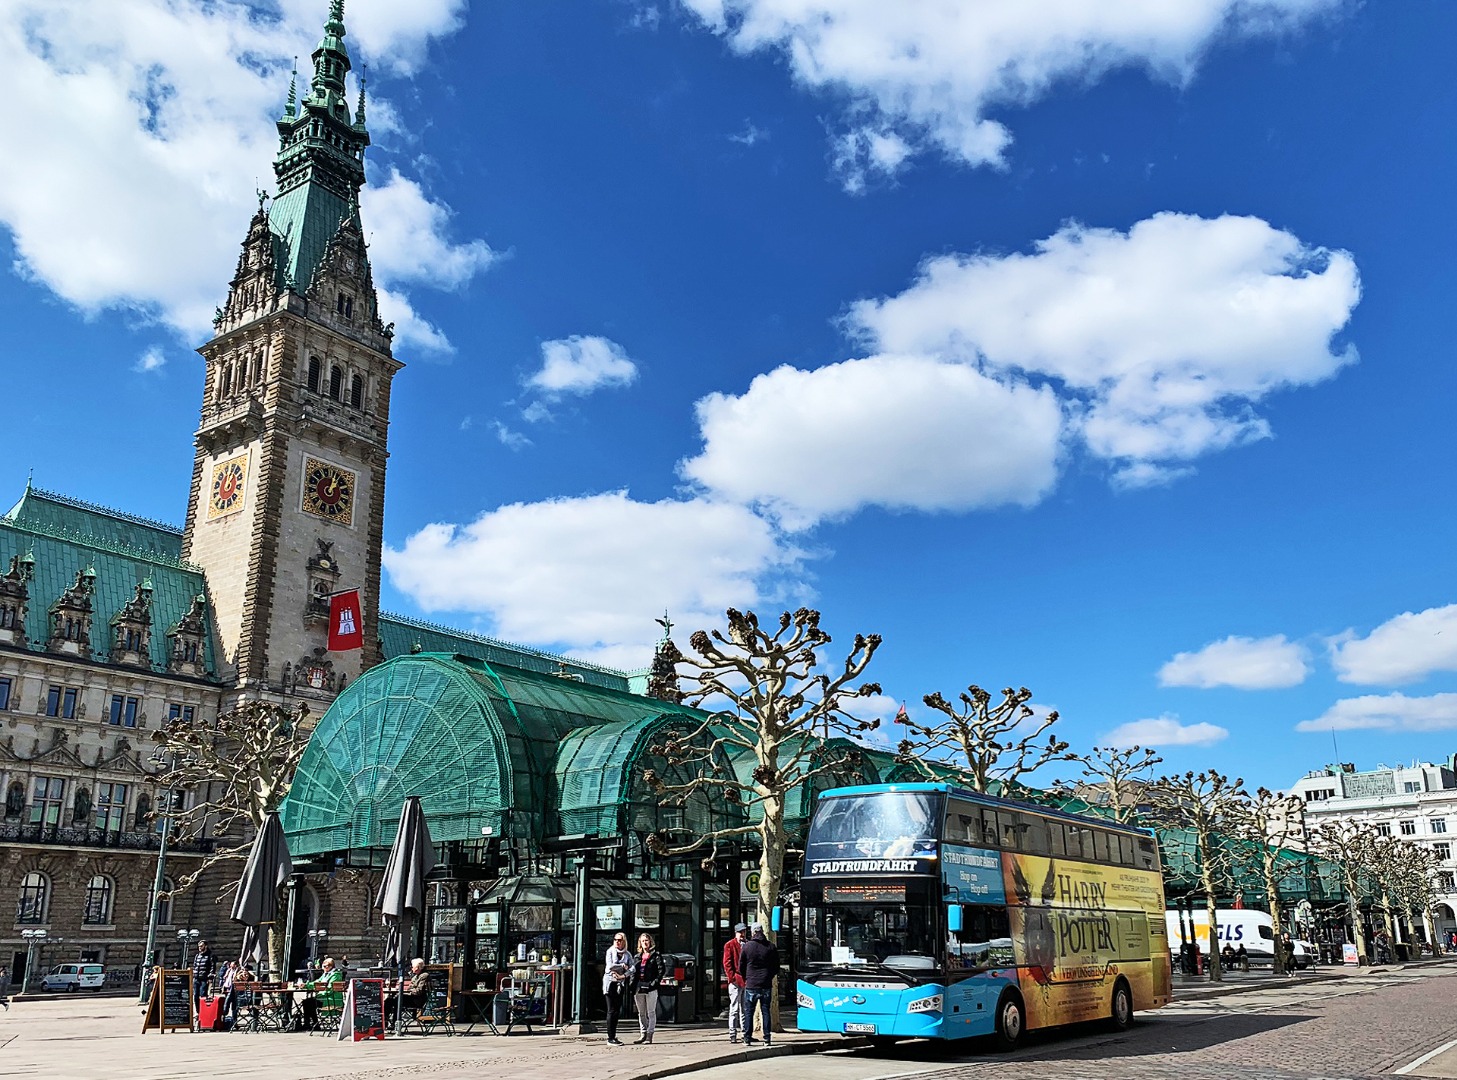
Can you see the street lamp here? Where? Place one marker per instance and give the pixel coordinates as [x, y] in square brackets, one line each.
[187, 938]
[34, 941]
[170, 760]
[317, 941]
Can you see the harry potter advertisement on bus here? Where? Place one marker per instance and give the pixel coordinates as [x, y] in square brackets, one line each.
[1075, 927]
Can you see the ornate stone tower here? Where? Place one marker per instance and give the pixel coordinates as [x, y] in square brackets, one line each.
[287, 500]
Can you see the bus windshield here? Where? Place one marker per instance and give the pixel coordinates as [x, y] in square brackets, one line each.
[891, 923]
[883, 825]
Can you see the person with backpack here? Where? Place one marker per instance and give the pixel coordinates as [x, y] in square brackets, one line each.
[761, 967]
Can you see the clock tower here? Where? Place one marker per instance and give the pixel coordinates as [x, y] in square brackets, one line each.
[287, 503]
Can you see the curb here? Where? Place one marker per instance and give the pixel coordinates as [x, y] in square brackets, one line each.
[733, 1057]
[1303, 980]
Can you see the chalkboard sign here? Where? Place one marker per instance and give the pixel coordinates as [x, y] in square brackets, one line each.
[170, 1005]
[363, 1011]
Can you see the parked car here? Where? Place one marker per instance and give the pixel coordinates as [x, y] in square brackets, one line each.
[74, 977]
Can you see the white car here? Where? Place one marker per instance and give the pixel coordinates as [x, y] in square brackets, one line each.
[75, 977]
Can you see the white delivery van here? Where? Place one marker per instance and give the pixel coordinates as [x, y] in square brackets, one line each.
[74, 977]
[1255, 930]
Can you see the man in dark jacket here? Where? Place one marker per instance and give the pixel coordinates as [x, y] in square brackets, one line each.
[202, 970]
[760, 960]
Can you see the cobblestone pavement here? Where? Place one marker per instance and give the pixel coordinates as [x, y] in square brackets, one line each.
[1353, 1028]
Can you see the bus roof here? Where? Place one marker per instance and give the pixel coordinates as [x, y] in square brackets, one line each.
[989, 800]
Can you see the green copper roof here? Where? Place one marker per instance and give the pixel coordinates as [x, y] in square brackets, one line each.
[320, 162]
[65, 536]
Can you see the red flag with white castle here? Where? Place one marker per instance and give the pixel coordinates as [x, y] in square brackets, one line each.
[346, 628]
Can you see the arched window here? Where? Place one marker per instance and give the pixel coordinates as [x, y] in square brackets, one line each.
[336, 383]
[97, 911]
[227, 378]
[356, 392]
[258, 365]
[314, 374]
[144, 811]
[164, 903]
[35, 891]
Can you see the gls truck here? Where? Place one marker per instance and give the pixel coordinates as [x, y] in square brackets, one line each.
[1255, 930]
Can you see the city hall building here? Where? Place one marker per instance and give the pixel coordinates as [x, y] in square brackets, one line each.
[530, 766]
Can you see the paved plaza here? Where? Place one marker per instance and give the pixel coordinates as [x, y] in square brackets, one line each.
[1333, 1025]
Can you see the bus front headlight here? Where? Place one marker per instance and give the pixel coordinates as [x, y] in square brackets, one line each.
[803, 1000]
[934, 1003]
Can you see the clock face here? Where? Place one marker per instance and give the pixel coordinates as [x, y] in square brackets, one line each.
[225, 495]
[328, 491]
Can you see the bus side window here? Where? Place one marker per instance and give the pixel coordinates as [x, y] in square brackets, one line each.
[1034, 834]
[1058, 837]
[1125, 851]
[989, 828]
[1080, 842]
[1100, 845]
[1146, 857]
[1010, 840]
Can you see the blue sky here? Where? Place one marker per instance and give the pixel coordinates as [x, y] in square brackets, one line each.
[1097, 352]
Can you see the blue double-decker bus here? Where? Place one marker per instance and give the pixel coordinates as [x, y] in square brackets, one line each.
[931, 911]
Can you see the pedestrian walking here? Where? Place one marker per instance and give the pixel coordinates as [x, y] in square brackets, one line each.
[647, 973]
[202, 969]
[5, 987]
[733, 974]
[761, 967]
[615, 976]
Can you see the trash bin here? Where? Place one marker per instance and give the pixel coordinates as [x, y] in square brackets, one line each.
[676, 991]
[501, 1010]
[208, 1009]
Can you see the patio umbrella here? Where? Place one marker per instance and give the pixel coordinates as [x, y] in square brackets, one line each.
[267, 868]
[402, 893]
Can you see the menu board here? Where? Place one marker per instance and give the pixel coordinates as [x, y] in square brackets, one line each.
[170, 1005]
[363, 1016]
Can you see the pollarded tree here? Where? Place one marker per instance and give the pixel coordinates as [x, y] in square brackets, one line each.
[782, 704]
[1345, 844]
[1206, 804]
[1267, 822]
[1414, 874]
[240, 769]
[983, 742]
[1117, 778]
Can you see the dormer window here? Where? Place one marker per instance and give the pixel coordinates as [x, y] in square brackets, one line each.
[185, 640]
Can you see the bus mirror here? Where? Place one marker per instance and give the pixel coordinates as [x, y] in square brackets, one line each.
[776, 919]
[953, 918]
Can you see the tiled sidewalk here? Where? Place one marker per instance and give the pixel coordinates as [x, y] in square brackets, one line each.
[81, 1036]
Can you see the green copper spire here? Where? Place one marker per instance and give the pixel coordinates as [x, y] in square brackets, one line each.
[320, 162]
[359, 112]
[290, 108]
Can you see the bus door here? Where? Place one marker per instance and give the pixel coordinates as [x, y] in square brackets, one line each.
[979, 963]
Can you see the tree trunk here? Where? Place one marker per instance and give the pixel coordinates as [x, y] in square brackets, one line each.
[1272, 890]
[771, 876]
[1216, 964]
[1358, 934]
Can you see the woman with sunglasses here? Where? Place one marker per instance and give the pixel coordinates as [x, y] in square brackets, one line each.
[647, 973]
[614, 983]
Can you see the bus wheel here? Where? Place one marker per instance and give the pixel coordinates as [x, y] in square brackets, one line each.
[884, 1042]
[1120, 1017]
[1011, 1021]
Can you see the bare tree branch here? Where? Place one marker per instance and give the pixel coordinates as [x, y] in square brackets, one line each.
[980, 741]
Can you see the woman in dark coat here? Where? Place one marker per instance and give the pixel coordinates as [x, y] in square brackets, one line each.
[647, 973]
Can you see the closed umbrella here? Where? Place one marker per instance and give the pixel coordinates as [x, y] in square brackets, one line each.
[267, 868]
[401, 896]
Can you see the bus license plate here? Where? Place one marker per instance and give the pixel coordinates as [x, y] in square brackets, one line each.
[859, 1029]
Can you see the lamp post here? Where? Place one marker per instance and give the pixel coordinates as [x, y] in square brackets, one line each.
[187, 938]
[171, 760]
[34, 941]
[318, 940]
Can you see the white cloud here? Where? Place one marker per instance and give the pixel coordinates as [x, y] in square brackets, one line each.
[135, 133]
[407, 237]
[590, 574]
[581, 364]
[1245, 663]
[1161, 339]
[1403, 649]
[386, 32]
[512, 440]
[750, 135]
[412, 330]
[902, 432]
[927, 75]
[153, 360]
[1164, 731]
[1391, 712]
